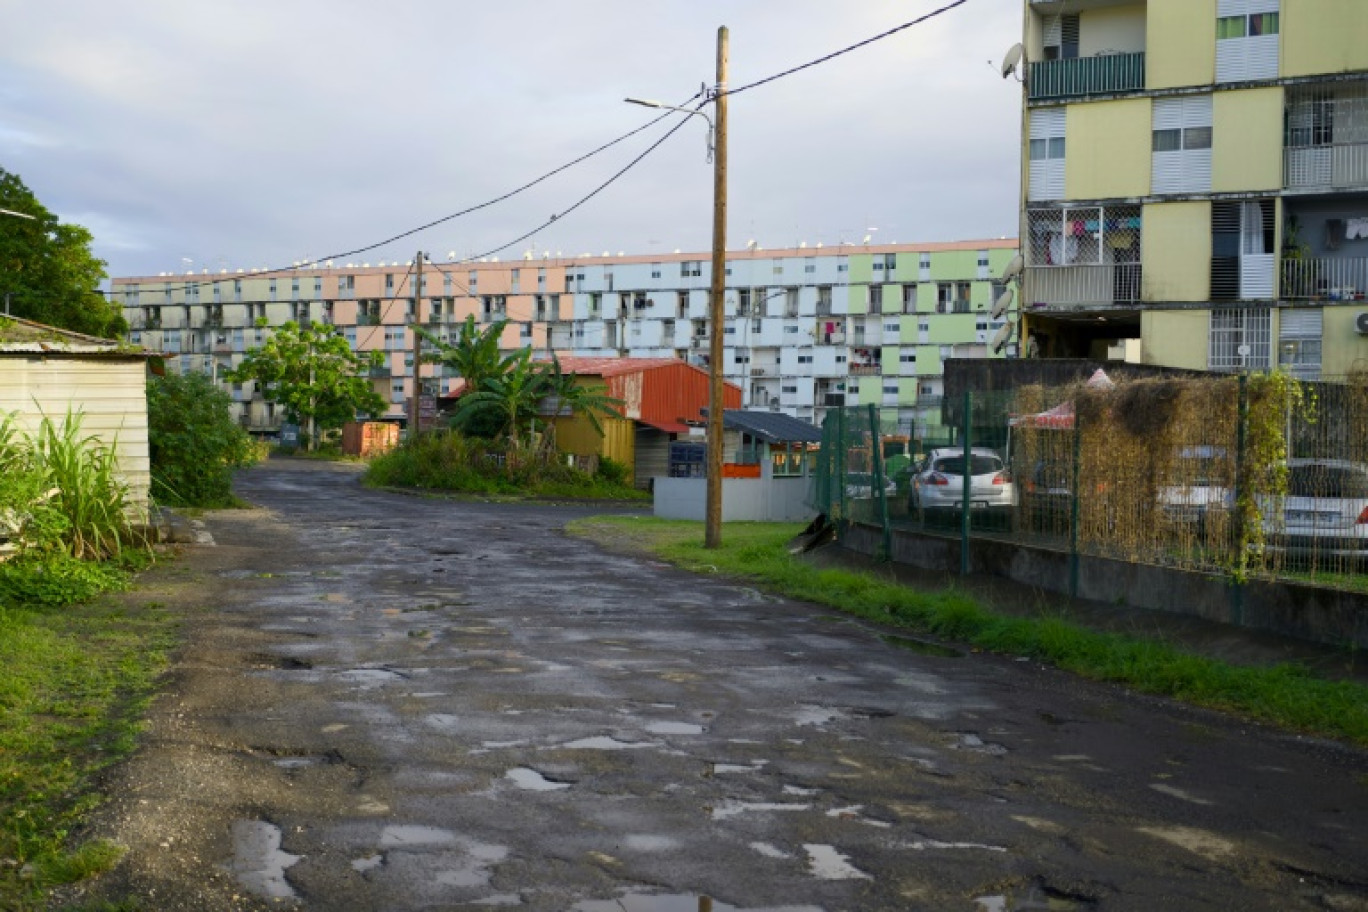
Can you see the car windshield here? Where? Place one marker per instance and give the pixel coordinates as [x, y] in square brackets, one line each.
[978, 465]
[1319, 480]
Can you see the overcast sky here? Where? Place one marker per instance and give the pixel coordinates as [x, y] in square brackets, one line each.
[253, 133]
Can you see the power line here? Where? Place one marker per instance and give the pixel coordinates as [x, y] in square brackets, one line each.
[210, 280]
[833, 55]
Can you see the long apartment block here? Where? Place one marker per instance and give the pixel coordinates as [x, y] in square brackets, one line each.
[806, 329]
[1195, 182]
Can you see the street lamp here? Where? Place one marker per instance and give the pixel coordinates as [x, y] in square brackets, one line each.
[717, 147]
[18, 214]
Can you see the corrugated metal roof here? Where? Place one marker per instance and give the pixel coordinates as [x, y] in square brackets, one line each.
[615, 367]
[25, 337]
[773, 427]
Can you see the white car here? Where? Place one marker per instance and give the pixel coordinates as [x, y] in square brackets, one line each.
[939, 483]
[1198, 489]
[860, 486]
[1323, 514]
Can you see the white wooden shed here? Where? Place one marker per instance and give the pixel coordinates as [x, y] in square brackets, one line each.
[45, 371]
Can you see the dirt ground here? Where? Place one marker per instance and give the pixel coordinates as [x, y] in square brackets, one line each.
[396, 702]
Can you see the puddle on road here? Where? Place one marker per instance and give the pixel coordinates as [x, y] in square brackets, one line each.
[362, 865]
[409, 835]
[604, 743]
[733, 808]
[645, 842]
[680, 902]
[534, 781]
[258, 862]
[854, 812]
[754, 766]
[922, 647]
[972, 742]
[769, 851]
[674, 728]
[1046, 901]
[371, 677]
[825, 863]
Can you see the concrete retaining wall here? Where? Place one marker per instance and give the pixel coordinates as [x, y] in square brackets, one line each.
[1330, 616]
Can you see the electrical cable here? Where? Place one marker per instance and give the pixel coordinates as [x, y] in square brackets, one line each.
[209, 280]
[868, 41]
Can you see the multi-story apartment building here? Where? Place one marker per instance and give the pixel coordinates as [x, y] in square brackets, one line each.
[1195, 177]
[806, 329]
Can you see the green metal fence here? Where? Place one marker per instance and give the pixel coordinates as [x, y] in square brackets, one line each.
[1251, 476]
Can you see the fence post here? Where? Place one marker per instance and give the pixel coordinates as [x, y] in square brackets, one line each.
[1075, 501]
[968, 429]
[877, 482]
[838, 464]
[1241, 530]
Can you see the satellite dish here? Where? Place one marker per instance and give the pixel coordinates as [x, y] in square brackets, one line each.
[1001, 337]
[1013, 268]
[1011, 59]
[1000, 306]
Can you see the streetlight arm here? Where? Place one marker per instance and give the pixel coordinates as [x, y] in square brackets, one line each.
[651, 103]
[19, 214]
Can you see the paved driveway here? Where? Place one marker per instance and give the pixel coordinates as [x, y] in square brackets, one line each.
[396, 702]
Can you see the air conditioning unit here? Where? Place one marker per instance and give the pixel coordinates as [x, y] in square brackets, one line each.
[1361, 324]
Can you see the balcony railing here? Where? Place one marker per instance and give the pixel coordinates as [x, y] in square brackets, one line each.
[1077, 76]
[1329, 167]
[1093, 285]
[1324, 279]
[865, 370]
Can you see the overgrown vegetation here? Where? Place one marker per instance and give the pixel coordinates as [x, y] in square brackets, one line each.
[193, 441]
[448, 461]
[60, 494]
[313, 373]
[74, 674]
[1284, 695]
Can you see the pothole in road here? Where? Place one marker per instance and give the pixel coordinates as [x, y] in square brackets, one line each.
[534, 781]
[604, 742]
[674, 728]
[371, 677]
[971, 742]
[825, 863]
[258, 862]
[279, 662]
[677, 902]
[1038, 897]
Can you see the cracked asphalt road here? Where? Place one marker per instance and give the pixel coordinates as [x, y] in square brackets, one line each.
[402, 703]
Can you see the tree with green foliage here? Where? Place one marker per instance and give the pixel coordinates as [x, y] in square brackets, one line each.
[474, 355]
[529, 389]
[47, 271]
[313, 373]
[194, 442]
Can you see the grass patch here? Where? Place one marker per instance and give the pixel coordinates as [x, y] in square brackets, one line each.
[74, 683]
[1284, 695]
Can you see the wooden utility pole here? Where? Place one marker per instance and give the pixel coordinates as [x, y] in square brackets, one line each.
[415, 406]
[712, 535]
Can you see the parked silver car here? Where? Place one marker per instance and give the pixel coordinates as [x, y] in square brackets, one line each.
[860, 486]
[1325, 510]
[1198, 488]
[939, 482]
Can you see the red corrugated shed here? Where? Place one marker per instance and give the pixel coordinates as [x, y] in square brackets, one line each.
[661, 392]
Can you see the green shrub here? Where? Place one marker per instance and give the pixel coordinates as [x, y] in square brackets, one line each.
[612, 471]
[448, 461]
[193, 441]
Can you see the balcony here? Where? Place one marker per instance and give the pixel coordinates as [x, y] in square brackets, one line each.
[378, 373]
[865, 370]
[1324, 279]
[1096, 285]
[1336, 166]
[1079, 76]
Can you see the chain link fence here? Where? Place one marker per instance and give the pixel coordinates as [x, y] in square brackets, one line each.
[1256, 476]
